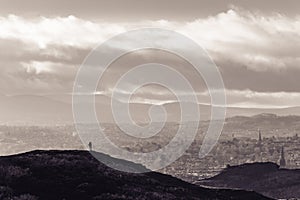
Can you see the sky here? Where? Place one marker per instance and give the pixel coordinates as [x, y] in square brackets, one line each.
[255, 44]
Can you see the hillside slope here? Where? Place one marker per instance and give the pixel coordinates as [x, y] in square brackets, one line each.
[77, 175]
[265, 178]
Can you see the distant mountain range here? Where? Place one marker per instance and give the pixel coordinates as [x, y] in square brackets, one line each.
[76, 175]
[264, 121]
[57, 109]
[265, 178]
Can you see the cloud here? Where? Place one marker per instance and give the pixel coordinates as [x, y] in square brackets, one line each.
[262, 43]
[58, 31]
[255, 53]
[251, 99]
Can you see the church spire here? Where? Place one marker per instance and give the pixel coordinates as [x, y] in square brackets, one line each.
[259, 136]
[282, 159]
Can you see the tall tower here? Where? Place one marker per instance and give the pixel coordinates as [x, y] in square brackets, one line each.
[259, 136]
[282, 159]
[260, 146]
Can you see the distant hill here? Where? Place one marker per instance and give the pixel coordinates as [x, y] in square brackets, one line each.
[57, 109]
[265, 178]
[73, 175]
[263, 121]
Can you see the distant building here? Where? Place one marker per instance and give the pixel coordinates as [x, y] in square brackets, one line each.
[259, 136]
[260, 146]
[282, 161]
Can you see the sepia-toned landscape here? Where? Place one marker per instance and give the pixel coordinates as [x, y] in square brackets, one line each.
[141, 99]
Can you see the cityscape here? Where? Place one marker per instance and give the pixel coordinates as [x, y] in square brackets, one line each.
[149, 100]
[234, 147]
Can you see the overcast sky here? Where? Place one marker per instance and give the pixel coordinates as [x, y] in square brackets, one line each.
[255, 44]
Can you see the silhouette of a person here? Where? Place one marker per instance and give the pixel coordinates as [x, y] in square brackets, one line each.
[90, 146]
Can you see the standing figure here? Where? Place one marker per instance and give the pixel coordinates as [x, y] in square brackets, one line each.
[90, 146]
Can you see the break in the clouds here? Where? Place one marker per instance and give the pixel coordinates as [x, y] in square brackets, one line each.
[258, 55]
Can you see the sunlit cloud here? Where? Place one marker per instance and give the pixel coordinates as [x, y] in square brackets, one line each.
[258, 56]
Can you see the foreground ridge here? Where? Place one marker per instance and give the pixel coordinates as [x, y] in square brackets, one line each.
[78, 175]
[265, 178]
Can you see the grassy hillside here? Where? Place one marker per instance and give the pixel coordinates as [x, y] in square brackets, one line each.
[265, 178]
[77, 175]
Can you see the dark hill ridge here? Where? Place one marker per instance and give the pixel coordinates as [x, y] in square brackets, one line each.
[76, 175]
[265, 178]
